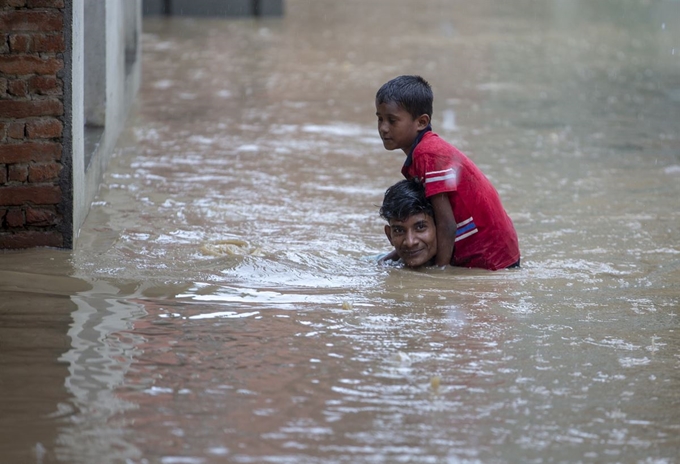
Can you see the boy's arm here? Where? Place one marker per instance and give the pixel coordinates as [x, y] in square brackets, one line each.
[446, 228]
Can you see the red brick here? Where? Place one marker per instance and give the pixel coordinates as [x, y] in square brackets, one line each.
[46, 128]
[17, 87]
[49, 43]
[16, 130]
[18, 172]
[45, 3]
[12, 3]
[31, 238]
[27, 109]
[45, 85]
[27, 20]
[29, 64]
[20, 43]
[15, 218]
[41, 217]
[43, 172]
[11, 153]
[3, 211]
[32, 194]
[3, 174]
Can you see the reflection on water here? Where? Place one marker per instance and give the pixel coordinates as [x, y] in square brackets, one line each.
[222, 305]
[98, 362]
[35, 312]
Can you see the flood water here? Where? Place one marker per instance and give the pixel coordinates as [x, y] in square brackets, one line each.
[159, 341]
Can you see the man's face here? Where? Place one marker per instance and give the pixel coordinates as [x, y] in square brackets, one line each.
[414, 238]
[396, 126]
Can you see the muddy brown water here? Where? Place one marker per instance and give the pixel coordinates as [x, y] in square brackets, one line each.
[151, 344]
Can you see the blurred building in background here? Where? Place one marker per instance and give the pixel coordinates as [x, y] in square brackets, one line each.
[214, 7]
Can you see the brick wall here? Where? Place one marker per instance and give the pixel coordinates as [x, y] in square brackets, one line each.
[31, 122]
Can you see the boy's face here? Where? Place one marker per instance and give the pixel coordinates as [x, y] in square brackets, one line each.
[414, 238]
[396, 126]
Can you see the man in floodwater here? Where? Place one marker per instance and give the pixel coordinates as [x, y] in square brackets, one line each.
[410, 223]
[473, 229]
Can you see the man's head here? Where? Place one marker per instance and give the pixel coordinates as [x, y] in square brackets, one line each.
[403, 107]
[411, 228]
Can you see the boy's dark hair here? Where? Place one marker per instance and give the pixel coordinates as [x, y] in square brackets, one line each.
[412, 93]
[404, 199]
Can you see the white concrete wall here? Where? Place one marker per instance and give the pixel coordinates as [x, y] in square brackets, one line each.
[95, 35]
[76, 115]
[120, 86]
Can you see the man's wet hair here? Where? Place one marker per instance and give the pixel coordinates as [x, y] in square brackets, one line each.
[412, 93]
[404, 199]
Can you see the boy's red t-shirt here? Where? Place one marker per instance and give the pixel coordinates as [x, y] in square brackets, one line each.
[485, 236]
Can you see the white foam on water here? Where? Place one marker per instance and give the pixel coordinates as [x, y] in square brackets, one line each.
[248, 148]
[201, 139]
[163, 84]
[340, 129]
[225, 314]
[181, 460]
[632, 362]
[218, 450]
[158, 391]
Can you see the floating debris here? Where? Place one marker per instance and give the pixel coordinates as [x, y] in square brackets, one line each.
[435, 381]
[231, 247]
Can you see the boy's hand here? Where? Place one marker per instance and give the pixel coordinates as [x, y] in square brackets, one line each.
[391, 256]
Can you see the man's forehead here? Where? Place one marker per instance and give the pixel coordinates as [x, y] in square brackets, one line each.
[413, 219]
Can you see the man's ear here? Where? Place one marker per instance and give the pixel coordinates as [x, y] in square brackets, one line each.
[423, 121]
[388, 232]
